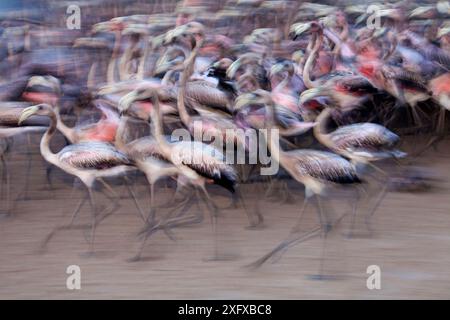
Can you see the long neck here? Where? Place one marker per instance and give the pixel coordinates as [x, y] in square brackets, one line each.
[344, 32]
[167, 76]
[90, 83]
[309, 62]
[112, 62]
[272, 140]
[188, 70]
[283, 83]
[157, 128]
[45, 141]
[144, 57]
[120, 133]
[65, 130]
[320, 130]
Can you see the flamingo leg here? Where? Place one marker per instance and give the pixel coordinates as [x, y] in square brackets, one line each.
[327, 225]
[136, 202]
[302, 211]
[260, 219]
[377, 203]
[359, 192]
[162, 224]
[8, 185]
[24, 193]
[108, 187]
[214, 212]
[93, 217]
[6, 179]
[152, 212]
[439, 134]
[293, 239]
[48, 172]
[67, 226]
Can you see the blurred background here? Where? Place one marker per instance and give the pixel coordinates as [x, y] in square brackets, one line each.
[394, 75]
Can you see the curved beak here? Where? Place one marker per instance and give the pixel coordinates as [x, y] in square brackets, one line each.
[88, 42]
[299, 28]
[443, 32]
[276, 68]
[166, 65]
[417, 12]
[126, 101]
[215, 65]
[37, 80]
[172, 35]
[233, 68]
[310, 94]
[28, 112]
[244, 100]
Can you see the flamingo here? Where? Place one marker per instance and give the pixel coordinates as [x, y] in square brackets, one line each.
[88, 161]
[314, 169]
[9, 116]
[47, 89]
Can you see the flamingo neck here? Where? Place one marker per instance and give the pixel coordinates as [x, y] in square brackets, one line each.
[45, 141]
[309, 62]
[111, 72]
[119, 139]
[187, 72]
[272, 140]
[61, 126]
[320, 130]
[157, 127]
[144, 57]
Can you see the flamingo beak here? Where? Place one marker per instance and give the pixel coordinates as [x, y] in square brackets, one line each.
[28, 112]
[242, 101]
[233, 68]
[443, 32]
[300, 28]
[275, 69]
[126, 101]
[309, 95]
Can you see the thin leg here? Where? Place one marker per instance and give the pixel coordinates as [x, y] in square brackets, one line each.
[68, 225]
[48, 171]
[24, 193]
[106, 212]
[259, 216]
[214, 211]
[378, 201]
[152, 213]
[293, 239]
[359, 192]
[8, 184]
[152, 227]
[302, 211]
[94, 218]
[108, 187]
[326, 227]
[133, 196]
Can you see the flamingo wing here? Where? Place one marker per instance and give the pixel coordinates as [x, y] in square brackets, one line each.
[92, 155]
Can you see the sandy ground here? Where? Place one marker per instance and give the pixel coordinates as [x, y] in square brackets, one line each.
[411, 244]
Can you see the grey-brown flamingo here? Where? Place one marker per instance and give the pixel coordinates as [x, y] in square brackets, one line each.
[314, 169]
[9, 116]
[198, 162]
[88, 161]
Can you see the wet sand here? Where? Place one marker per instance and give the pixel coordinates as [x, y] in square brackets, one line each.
[411, 244]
